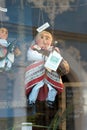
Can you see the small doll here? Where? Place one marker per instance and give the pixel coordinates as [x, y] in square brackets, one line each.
[6, 57]
[40, 82]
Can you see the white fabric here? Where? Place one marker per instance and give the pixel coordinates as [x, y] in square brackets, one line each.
[9, 59]
[10, 56]
[4, 43]
[8, 64]
[2, 63]
[34, 93]
[51, 95]
[34, 55]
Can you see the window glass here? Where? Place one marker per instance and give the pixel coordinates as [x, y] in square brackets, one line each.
[20, 22]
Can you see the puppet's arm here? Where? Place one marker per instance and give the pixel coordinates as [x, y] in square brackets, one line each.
[33, 55]
[3, 43]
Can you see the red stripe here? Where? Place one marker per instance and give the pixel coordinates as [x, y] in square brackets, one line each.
[34, 65]
[31, 83]
[55, 84]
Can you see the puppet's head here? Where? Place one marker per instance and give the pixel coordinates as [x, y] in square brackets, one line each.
[3, 33]
[44, 39]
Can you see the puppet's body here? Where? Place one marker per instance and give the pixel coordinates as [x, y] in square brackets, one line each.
[39, 82]
[6, 58]
[7, 53]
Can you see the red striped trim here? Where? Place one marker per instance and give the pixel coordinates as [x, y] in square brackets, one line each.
[31, 83]
[55, 84]
[34, 65]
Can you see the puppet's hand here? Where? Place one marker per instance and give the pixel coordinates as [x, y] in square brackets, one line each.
[17, 52]
[48, 69]
[63, 68]
[36, 47]
[57, 49]
[44, 52]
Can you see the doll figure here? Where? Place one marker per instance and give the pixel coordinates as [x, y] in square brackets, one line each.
[40, 82]
[6, 57]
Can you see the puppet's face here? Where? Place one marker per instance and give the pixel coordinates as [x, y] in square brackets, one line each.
[44, 40]
[3, 33]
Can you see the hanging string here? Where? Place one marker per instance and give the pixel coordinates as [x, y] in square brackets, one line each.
[40, 17]
[1, 19]
[2, 10]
